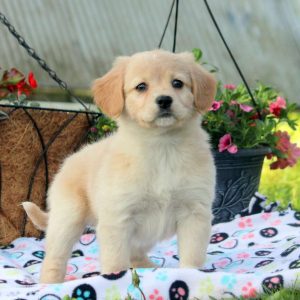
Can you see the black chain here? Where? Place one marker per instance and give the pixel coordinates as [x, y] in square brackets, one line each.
[167, 24]
[39, 60]
[175, 26]
[233, 59]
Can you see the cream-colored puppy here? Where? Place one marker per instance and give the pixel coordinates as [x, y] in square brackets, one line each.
[151, 179]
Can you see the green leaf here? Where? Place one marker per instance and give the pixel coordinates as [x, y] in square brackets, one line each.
[67, 297]
[135, 279]
[3, 116]
[34, 104]
[197, 54]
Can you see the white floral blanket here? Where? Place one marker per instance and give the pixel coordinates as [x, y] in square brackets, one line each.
[246, 256]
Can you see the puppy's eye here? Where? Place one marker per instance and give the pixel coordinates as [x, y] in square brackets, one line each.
[141, 87]
[177, 84]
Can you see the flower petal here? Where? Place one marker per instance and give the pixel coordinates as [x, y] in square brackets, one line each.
[230, 86]
[232, 149]
[32, 81]
[245, 107]
[224, 142]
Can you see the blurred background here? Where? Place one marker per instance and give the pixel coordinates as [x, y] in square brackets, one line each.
[80, 39]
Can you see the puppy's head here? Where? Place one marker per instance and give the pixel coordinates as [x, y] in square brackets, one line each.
[155, 88]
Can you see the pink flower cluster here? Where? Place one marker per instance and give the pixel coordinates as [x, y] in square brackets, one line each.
[239, 124]
[284, 145]
[217, 104]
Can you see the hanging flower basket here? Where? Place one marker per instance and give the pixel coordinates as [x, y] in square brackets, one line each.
[34, 142]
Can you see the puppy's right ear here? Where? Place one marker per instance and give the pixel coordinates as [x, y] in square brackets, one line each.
[108, 90]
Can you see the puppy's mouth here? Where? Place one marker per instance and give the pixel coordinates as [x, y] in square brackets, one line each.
[165, 114]
[165, 118]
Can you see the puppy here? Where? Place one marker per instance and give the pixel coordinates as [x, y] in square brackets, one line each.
[151, 179]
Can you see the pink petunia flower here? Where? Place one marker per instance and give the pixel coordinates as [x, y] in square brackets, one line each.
[225, 143]
[230, 86]
[245, 107]
[216, 105]
[277, 106]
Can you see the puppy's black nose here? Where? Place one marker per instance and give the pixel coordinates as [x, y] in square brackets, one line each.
[164, 102]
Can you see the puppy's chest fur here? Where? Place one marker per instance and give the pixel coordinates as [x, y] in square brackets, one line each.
[159, 201]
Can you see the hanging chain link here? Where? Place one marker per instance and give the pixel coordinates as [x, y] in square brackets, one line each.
[31, 52]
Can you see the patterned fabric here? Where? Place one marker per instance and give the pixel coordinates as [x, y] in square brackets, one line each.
[249, 255]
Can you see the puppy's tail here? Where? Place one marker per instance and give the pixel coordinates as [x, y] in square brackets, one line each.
[38, 217]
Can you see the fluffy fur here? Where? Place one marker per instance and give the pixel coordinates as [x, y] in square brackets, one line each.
[153, 178]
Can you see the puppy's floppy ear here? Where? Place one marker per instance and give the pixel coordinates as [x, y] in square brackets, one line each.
[108, 90]
[204, 84]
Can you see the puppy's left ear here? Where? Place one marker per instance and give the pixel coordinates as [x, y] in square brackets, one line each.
[108, 90]
[204, 84]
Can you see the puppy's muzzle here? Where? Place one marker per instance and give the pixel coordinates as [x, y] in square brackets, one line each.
[164, 103]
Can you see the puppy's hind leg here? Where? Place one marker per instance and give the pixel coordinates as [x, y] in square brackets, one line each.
[65, 225]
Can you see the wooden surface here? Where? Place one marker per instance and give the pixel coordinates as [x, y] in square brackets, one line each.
[79, 39]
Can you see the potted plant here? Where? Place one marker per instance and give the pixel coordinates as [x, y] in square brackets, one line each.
[242, 134]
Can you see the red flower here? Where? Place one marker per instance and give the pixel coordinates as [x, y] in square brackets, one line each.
[277, 106]
[291, 152]
[32, 81]
[23, 88]
[225, 143]
[13, 81]
[254, 117]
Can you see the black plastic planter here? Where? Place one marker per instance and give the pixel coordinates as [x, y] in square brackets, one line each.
[238, 177]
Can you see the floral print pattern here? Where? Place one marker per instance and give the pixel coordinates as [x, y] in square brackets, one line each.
[247, 256]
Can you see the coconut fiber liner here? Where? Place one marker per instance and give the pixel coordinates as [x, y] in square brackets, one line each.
[33, 144]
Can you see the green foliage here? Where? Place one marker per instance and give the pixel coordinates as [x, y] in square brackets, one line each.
[197, 54]
[103, 127]
[284, 294]
[67, 297]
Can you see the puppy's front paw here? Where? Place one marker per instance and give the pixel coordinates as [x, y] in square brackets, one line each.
[190, 266]
[107, 270]
[195, 263]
